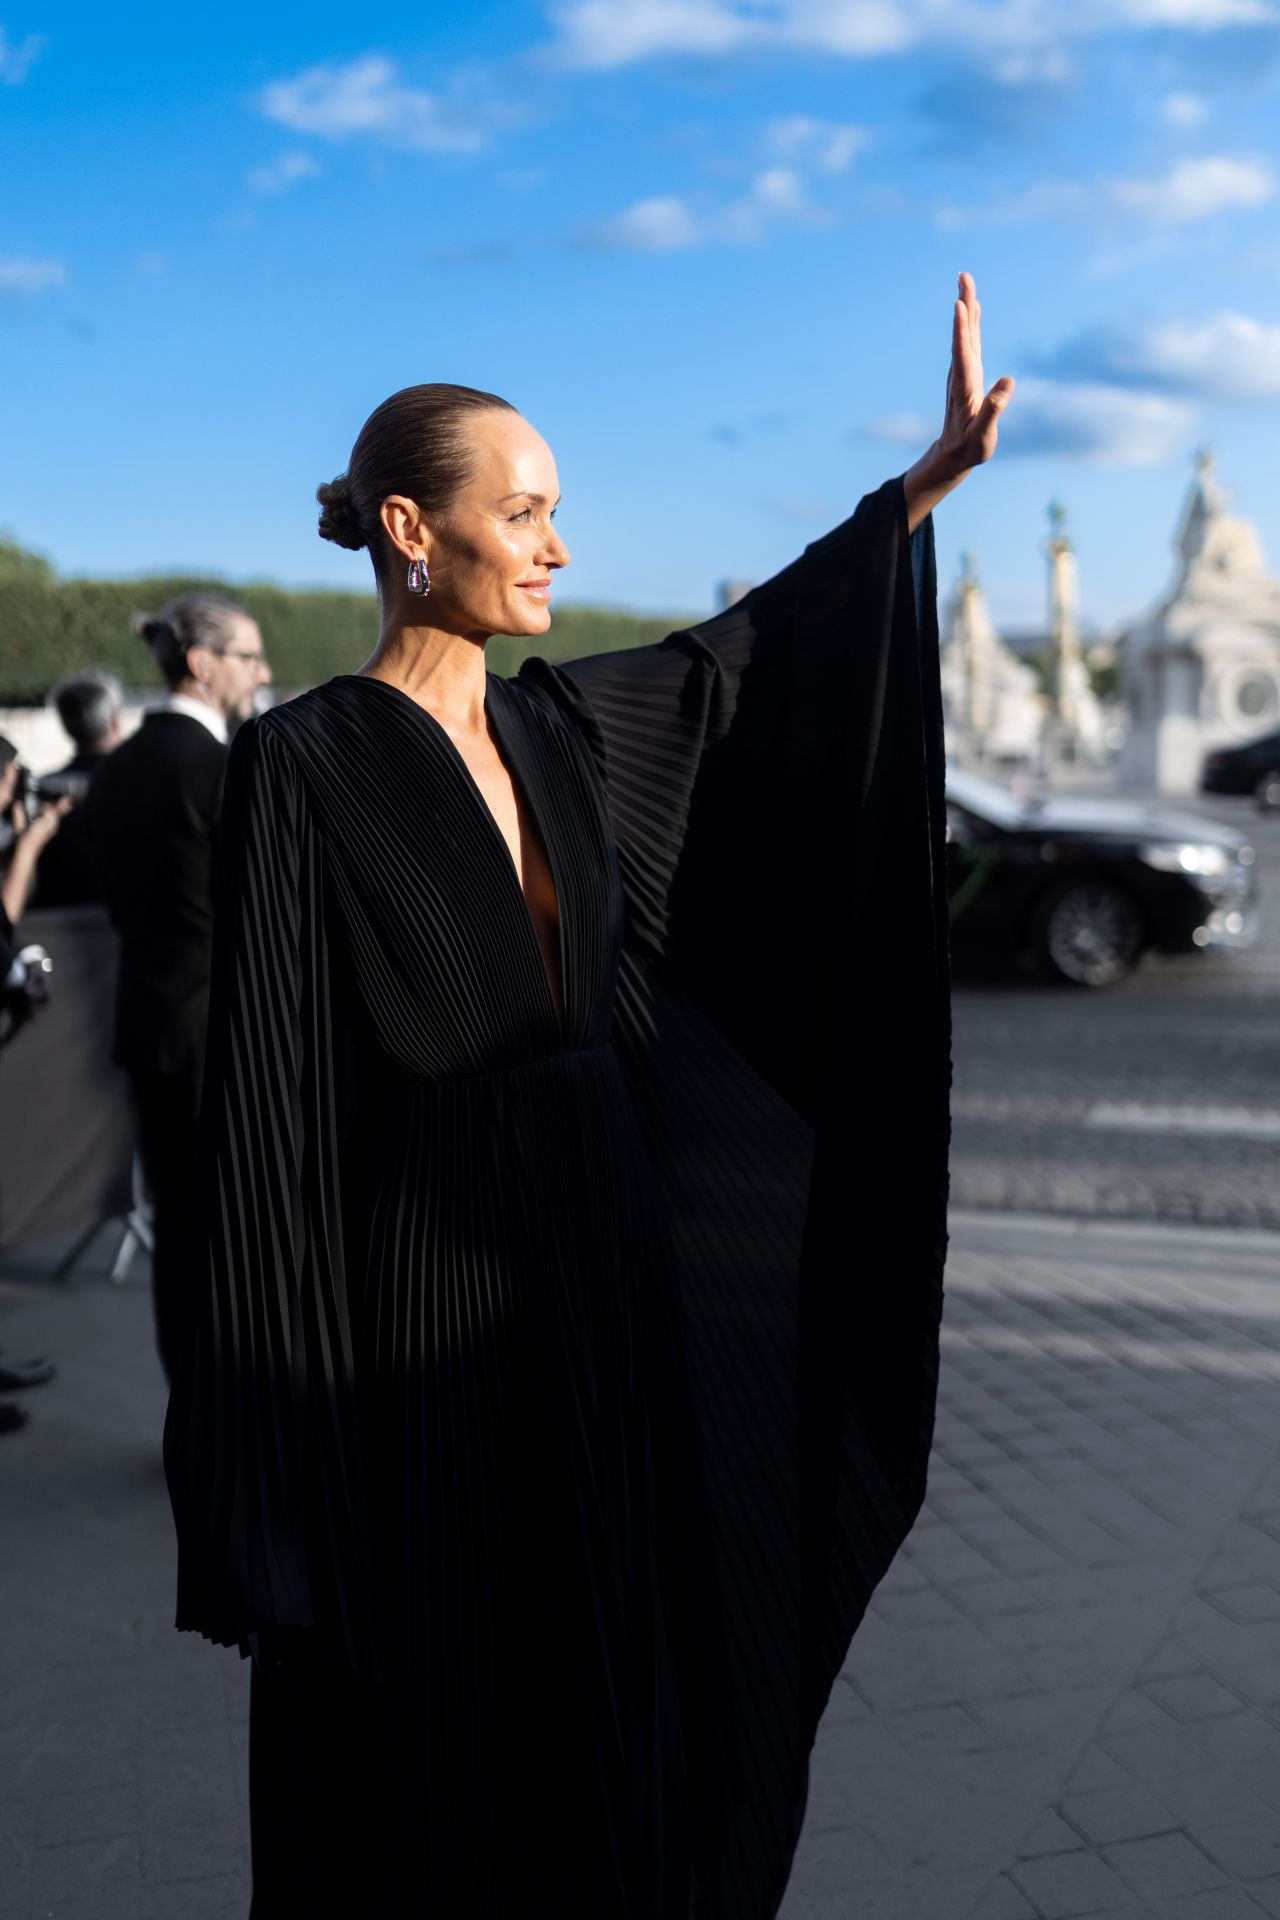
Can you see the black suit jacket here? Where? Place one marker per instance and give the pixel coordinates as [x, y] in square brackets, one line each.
[67, 874]
[152, 812]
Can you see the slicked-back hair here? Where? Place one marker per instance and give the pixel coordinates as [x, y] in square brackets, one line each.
[192, 620]
[416, 444]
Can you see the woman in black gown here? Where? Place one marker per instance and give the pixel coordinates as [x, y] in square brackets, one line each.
[573, 1201]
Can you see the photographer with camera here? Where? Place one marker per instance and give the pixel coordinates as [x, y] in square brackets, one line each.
[29, 819]
[26, 829]
[152, 812]
[30, 816]
[88, 705]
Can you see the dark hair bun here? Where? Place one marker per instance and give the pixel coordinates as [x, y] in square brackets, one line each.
[417, 444]
[338, 520]
[148, 628]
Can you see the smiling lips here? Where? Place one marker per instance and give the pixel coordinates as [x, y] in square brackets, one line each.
[538, 588]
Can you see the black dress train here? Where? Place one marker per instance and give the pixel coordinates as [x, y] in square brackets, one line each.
[573, 1386]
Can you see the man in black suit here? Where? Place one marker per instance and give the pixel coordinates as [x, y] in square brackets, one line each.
[152, 810]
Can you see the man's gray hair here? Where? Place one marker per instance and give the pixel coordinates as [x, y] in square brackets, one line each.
[192, 620]
[88, 706]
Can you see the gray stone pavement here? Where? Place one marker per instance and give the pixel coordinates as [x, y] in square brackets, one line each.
[1064, 1701]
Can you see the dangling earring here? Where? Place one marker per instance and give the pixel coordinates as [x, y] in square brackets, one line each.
[419, 578]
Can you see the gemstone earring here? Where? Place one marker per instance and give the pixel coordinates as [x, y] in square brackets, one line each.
[419, 578]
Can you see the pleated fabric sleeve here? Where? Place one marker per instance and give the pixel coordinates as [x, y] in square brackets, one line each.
[774, 781]
[262, 1447]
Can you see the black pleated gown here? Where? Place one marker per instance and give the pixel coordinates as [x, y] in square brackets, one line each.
[570, 1387]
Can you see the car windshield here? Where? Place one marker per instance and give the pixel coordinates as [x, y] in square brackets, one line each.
[984, 799]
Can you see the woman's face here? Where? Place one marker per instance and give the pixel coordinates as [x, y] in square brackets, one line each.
[492, 555]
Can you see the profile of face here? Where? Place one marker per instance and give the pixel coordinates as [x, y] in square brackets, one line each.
[491, 555]
[230, 677]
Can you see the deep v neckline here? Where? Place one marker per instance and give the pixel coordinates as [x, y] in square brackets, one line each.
[524, 806]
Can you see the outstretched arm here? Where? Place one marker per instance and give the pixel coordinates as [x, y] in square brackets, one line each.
[33, 837]
[972, 422]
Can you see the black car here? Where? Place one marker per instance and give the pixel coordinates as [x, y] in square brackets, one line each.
[1253, 767]
[1080, 888]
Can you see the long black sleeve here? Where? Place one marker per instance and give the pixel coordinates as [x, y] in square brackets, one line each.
[774, 779]
[262, 1444]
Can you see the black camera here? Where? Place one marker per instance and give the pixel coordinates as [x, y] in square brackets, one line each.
[32, 791]
[39, 789]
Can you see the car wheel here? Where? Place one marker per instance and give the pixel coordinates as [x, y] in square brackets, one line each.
[1267, 791]
[1090, 932]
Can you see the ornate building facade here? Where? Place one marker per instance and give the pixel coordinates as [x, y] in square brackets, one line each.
[1202, 669]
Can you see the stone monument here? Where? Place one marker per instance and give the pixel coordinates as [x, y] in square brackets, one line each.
[1202, 669]
[991, 700]
[1074, 728]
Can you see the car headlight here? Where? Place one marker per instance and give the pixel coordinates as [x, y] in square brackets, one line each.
[1190, 858]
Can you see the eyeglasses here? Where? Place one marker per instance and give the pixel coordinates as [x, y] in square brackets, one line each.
[229, 654]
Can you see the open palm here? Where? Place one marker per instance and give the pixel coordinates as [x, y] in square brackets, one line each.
[972, 424]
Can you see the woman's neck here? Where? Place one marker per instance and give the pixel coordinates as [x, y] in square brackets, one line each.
[442, 671]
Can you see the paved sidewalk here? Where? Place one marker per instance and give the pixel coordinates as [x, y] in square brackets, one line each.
[1065, 1700]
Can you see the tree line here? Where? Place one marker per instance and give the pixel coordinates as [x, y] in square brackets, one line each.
[51, 626]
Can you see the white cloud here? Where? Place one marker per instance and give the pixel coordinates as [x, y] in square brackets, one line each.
[283, 172]
[1197, 189]
[776, 197]
[1192, 191]
[1230, 357]
[612, 33]
[366, 98]
[857, 29]
[1185, 110]
[1098, 425]
[1199, 16]
[801, 149]
[17, 57]
[615, 33]
[21, 279]
[830, 146]
[660, 225]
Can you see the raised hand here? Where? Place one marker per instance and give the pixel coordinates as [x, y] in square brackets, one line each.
[971, 424]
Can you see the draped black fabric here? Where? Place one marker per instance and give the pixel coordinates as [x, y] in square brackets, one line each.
[575, 1386]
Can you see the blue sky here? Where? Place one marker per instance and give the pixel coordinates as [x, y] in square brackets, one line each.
[708, 246]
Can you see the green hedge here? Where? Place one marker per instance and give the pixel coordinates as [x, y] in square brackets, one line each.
[51, 627]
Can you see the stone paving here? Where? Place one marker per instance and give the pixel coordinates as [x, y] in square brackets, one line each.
[1065, 1699]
